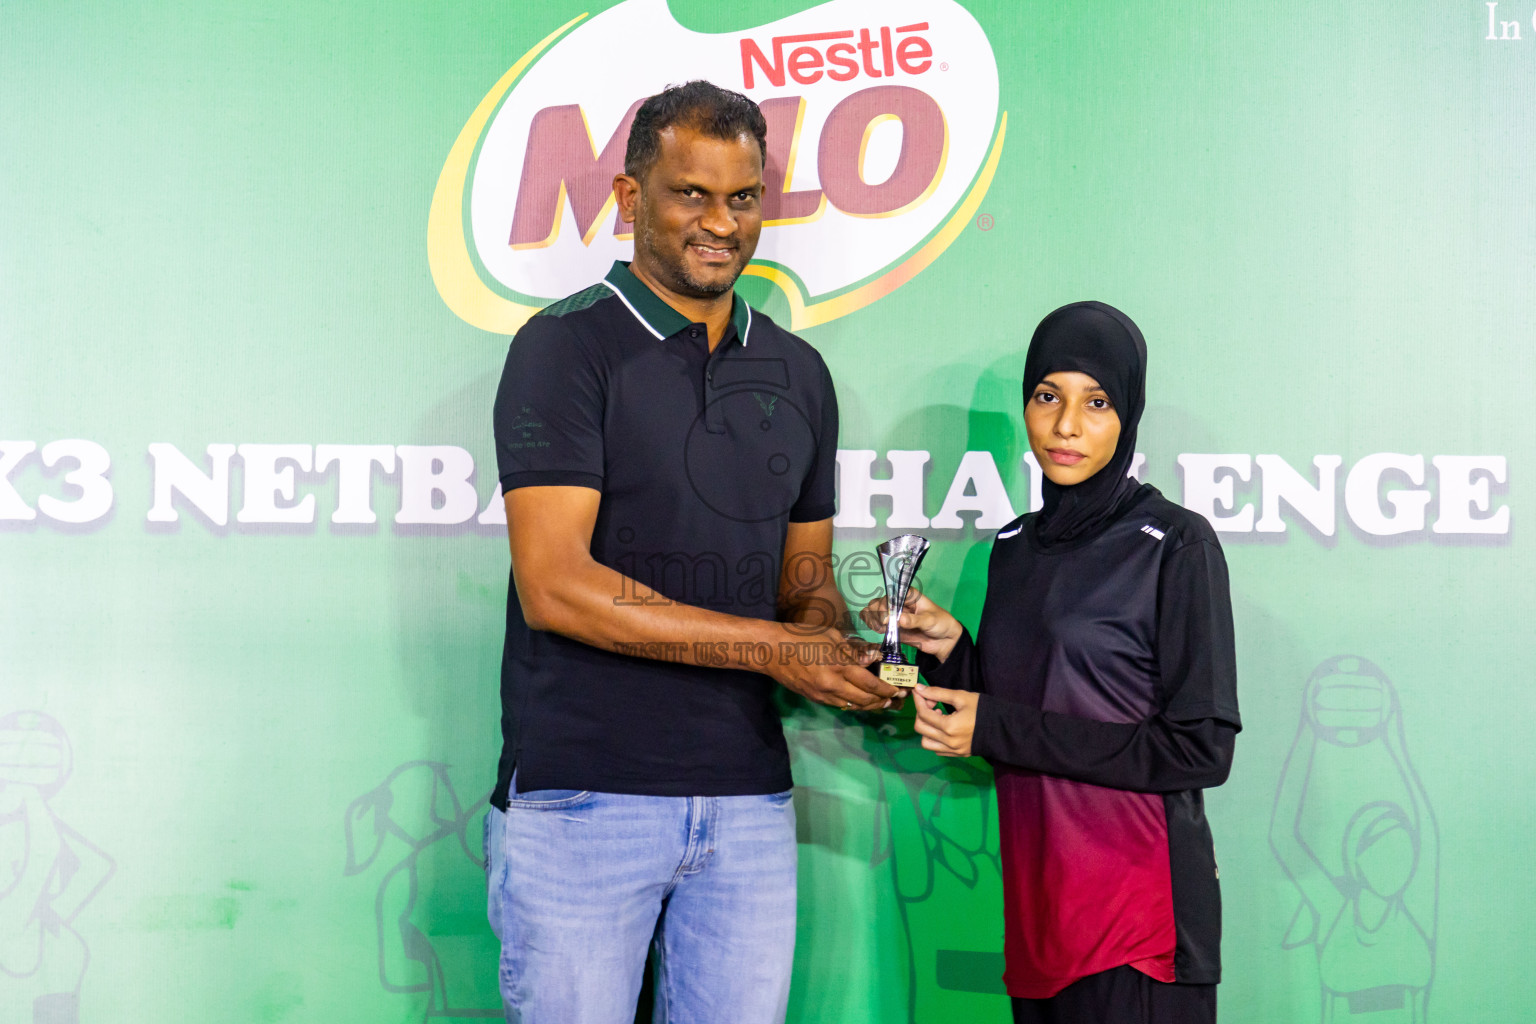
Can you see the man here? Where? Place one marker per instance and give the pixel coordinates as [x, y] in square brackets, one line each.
[667, 457]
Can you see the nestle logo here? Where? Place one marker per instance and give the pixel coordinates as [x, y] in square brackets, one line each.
[840, 61]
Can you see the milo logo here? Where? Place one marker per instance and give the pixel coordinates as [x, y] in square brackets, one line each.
[883, 136]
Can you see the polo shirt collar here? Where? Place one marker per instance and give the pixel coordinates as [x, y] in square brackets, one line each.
[655, 315]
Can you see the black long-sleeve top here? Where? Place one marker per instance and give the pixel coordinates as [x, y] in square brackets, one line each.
[1110, 701]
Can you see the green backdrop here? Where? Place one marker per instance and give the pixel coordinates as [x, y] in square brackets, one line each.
[243, 764]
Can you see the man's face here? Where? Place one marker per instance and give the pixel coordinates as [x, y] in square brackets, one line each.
[698, 212]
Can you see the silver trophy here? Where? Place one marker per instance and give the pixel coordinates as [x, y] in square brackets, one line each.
[899, 559]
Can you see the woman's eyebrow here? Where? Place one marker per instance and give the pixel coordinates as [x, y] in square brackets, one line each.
[1097, 387]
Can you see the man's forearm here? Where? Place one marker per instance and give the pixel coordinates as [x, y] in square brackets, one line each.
[563, 589]
[603, 608]
[817, 607]
[808, 592]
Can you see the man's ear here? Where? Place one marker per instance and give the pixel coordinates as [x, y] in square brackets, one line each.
[626, 192]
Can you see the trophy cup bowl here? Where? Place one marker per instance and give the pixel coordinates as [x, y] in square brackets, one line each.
[899, 559]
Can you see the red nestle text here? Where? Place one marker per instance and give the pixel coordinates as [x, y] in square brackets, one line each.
[841, 56]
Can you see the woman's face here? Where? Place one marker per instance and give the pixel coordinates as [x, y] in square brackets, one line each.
[1072, 427]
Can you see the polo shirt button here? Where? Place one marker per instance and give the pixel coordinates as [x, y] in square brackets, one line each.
[693, 332]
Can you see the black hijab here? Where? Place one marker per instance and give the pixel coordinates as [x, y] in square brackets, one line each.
[1101, 341]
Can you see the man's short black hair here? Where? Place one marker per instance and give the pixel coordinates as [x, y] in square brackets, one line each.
[703, 106]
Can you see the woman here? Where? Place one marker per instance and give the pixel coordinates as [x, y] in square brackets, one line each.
[1102, 689]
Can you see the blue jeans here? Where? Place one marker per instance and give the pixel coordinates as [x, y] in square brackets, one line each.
[580, 884]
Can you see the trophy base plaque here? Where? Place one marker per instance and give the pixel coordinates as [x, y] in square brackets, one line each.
[898, 675]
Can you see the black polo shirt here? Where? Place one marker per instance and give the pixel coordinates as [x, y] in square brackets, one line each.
[703, 459]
